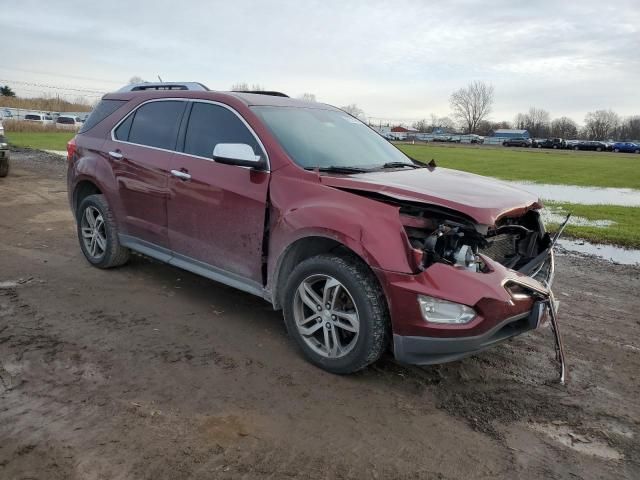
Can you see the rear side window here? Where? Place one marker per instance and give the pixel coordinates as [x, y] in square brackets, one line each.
[212, 124]
[32, 117]
[65, 120]
[102, 111]
[156, 124]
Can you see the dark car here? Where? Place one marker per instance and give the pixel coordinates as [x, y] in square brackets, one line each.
[517, 142]
[308, 208]
[4, 157]
[626, 147]
[590, 145]
[551, 143]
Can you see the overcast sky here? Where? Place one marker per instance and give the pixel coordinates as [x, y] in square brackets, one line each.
[395, 59]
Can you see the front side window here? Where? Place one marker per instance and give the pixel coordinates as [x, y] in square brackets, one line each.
[155, 124]
[212, 124]
[32, 117]
[328, 138]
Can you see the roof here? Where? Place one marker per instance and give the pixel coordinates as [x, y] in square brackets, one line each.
[248, 99]
[511, 131]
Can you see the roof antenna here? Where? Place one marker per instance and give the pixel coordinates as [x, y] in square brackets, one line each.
[159, 79]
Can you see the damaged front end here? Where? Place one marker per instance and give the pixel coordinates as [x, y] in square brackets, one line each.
[520, 244]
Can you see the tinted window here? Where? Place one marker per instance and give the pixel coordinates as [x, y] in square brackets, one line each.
[102, 111]
[65, 120]
[212, 124]
[32, 117]
[156, 124]
[122, 132]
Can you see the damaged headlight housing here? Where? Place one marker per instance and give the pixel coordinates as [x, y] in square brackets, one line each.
[435, 310]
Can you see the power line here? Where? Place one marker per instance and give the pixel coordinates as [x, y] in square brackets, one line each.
[55, 87]
[77, 77]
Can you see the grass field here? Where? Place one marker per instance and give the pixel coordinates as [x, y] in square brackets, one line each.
[543, 166]
[40, 140]
[625, 231]
[548, 166]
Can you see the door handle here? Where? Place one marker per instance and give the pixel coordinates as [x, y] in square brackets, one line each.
[116, 155]
[181, 175]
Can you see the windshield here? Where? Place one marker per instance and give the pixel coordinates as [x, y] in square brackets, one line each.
[328, 138]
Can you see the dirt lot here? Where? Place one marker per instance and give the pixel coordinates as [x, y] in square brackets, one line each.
[150, 372]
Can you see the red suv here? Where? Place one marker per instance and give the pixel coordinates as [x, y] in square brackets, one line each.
[300, 203]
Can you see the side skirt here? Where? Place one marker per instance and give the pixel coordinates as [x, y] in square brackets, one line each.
[194, 266]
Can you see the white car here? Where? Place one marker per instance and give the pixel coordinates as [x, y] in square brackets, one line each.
[39, 118]
[1, 129]
[69, 122]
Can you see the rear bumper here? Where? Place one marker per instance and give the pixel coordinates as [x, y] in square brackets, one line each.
[431, 350]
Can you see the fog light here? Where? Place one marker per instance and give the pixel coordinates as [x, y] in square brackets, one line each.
[440, 311]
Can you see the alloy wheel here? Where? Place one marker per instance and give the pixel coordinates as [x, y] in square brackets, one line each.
[94, 235]
[326, 316]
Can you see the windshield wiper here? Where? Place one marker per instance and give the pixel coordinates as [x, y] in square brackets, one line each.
[399, 165]
[339, 169]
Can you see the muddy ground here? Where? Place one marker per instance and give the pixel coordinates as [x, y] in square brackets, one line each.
[147, 371]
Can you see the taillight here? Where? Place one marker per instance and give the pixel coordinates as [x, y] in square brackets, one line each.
[71, 149]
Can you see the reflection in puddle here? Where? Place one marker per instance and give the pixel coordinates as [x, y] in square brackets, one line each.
[626, 197]
[608, 252]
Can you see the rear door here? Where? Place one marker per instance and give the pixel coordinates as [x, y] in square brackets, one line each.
[140, 153]
[217, 212]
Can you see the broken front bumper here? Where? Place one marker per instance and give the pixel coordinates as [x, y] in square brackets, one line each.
[500, 314]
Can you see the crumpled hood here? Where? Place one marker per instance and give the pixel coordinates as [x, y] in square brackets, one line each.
[483, 199]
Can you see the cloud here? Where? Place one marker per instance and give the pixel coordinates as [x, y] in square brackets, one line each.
[395, 59]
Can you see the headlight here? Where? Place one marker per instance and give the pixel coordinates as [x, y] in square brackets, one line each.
[440, 311]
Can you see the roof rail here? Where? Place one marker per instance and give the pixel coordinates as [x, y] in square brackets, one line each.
[141, 87]
[263, 92]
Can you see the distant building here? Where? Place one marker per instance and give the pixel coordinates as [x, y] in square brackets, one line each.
[509, 133]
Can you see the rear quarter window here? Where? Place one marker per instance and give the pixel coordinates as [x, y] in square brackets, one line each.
[102, 111]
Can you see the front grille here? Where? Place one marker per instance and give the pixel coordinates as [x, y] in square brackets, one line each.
[501, 247]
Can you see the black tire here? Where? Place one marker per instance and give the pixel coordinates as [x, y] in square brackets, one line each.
[616, 150]
[599, 149]
[114, 254]
[374, 323]
[505, 144]
[636, 151]
[4, 167]
[576, 148]
[555, 146]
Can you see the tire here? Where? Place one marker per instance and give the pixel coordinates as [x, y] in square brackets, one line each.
[555, 147]
[504, 144]
[99, 241]
[599, 149]
[4, 167]
[616, 150]
[357, 295]
[576, 148]
[636, 151]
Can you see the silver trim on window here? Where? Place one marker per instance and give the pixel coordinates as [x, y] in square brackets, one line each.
[192, 100]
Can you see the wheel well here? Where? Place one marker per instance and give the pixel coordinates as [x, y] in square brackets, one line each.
[299, 251]
[82, 191]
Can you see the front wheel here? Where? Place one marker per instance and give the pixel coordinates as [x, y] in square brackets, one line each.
[98, 233]
[4, 167]
[336, 312]
[616, 150]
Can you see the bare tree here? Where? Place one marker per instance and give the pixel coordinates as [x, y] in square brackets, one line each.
[601, 124]
[244, 87]
[136, 79]
[307, 97]
[564, 127]
[536, 121]
[353, 109]
[630, 128]
[422, 125]
[472, 104]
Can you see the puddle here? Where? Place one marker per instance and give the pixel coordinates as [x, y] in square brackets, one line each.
[607, 252]
[580, 443]
[549, 215]
[626, 197]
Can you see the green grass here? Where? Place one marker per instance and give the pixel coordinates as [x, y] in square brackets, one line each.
[40, 140]
[625, 232]
[560, 167]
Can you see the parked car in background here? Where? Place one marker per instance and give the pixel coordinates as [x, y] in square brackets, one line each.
[6, 114]
[308, 208]
[590, 145]
[4, 157]
[626, 147]
[551, 143]
[39, 118]
[1, 129]
[68, 122]
[518, 142]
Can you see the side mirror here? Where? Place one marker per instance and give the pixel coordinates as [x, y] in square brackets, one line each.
[239, 154]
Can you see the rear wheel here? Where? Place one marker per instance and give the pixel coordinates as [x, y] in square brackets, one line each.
[98, 234]
[576, 148]
[617, 150]
[4, 167]
[336, 312]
